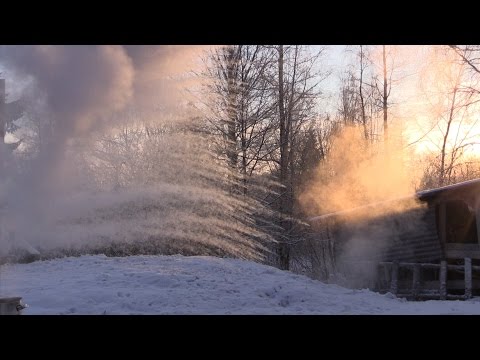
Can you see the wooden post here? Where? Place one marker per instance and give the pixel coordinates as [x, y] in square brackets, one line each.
[416, 281]
[477, 219]
[386, 276]
[442, 221]
[468, 278]
[394, 280]
[443, 280]
[2, 111]
[2, 124]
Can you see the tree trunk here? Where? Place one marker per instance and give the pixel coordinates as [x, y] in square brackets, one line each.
[284, 257]
[2, 111]
[244, 164]
[441, 175]
[2, 124]
[232, 109]
[385, 97]
[362, 101]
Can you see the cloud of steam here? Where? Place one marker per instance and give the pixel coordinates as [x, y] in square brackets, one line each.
[161, 186]
[162, 73]
[357, 173]
[358, 182]
[83, 84]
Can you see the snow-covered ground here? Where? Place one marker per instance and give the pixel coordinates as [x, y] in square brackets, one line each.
[192, 285]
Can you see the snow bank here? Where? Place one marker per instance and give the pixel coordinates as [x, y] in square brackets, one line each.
[192, 285]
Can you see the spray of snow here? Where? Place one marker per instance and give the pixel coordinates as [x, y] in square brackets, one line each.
[115, 160]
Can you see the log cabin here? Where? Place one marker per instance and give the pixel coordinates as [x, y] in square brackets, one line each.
[425, 246]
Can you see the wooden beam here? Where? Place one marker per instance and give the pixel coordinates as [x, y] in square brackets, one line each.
[433, 285]
[477, 218]
[443, 280]
[432, 296]
[462, 253]
[386, 274]
[394, 278]
[468, 278]
[442, 223]
[2, 111]
[416, 280]
[429, 266]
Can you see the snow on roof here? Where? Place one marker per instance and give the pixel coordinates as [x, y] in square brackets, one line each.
[461, 185]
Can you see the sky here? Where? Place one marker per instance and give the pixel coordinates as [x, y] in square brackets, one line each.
[414, 92]
[410, 108]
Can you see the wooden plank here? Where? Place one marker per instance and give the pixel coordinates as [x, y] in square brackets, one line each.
[407, 264]
[429, 266]
[416, 280]
[461, 254]
[462, 251]
[2, 111]
[433, 285]
[394, 278]
[468, 278]
[386, 274]
[461, 267]
[431, 296]
[442, 211]
[443, 280]
[477, 218]
[463, 246]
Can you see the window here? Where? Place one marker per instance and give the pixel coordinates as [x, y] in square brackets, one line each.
[460, 223]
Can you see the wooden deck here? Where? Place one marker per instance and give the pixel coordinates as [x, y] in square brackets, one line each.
[416, 288]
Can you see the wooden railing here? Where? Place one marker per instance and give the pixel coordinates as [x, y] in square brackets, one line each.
[416, 291]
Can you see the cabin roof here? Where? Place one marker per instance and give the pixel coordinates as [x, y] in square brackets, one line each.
[424, 195]
[462, 187]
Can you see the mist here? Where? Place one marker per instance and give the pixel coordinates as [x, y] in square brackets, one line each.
[359, 186]
[180, 149]
[357, 173]
[114, 160]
